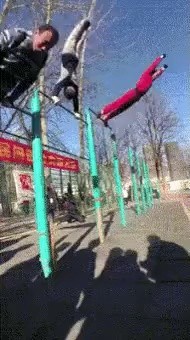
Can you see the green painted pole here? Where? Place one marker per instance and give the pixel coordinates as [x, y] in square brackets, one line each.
[118, 185]
[143, 181]
[146, 184]
[94, 175]
[134, 181]
[149, 185]
[39, 189]
[140, 181]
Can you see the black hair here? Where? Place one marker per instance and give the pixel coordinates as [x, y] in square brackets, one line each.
[70, 92]
[47, 27]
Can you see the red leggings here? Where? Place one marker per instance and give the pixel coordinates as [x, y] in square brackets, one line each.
[132, 96]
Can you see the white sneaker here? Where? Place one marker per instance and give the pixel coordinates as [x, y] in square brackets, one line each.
[55, 99]
[77, 115]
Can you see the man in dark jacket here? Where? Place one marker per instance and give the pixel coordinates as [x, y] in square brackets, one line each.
[22, 56]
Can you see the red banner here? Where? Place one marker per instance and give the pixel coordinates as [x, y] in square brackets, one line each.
[14, 152]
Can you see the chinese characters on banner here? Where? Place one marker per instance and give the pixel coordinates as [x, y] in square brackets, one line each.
[14, 152]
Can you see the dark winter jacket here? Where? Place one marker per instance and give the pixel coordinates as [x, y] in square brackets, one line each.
[23, 63]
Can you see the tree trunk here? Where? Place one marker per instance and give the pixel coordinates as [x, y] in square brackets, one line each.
[162, 170]
[157, 166]
[6, 8]
[4, 195]
[81, 83]
[47, 171]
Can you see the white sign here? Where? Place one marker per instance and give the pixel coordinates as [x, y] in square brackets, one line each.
[24, 185]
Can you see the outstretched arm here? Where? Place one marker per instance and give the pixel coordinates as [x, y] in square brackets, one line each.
[12, 38]
[20, 88]
[24, 84]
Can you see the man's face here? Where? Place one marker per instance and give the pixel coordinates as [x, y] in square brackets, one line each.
[43, 41]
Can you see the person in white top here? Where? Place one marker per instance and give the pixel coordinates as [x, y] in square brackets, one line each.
[125, 193]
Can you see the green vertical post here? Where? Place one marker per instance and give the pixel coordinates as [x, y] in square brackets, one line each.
[145, 184]
[149, 185]
[94, 175]
[134, 181]
[118, 185]
[39, 189]
[139, 174]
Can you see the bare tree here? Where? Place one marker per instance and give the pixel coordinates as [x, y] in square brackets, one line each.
[90, 14]
[130, 138]
[5, 10]
[93, 13]
[9, 6]
[103, 144]
[156, 126]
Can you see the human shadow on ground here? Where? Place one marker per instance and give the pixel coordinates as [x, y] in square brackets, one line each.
[126, 301]
[32, 295]
[130, 304]
[107, 225]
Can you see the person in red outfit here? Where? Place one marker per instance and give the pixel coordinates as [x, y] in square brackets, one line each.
[132, 96]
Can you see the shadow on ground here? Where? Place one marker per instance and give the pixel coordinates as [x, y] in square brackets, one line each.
[126, 301]
[17, 227]
[7, 255]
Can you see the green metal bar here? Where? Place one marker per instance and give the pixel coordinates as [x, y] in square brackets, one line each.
[134, 181]
[39, 189]
[118, 185]
[44, 145]
[144, 187]
[62, 106]
[149, 185]
[94, 175]
[140, 182]
[145, 184]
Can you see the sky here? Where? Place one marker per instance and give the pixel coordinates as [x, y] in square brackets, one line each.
[151, 28]
[130, 37]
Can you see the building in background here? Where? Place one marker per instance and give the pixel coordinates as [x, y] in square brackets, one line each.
[176, 163]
